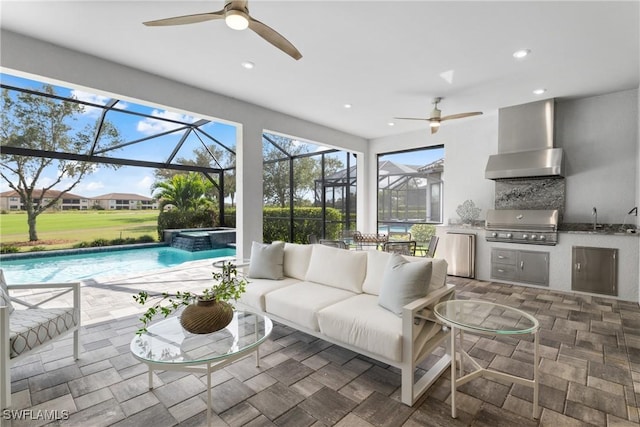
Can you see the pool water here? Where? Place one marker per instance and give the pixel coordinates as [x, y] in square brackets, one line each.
[65, 268]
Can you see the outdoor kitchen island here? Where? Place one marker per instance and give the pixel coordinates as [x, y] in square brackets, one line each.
[560, 256]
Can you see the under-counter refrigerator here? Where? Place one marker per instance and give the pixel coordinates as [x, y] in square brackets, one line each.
[460, 253]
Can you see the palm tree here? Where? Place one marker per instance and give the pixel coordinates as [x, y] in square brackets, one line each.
[185, 192]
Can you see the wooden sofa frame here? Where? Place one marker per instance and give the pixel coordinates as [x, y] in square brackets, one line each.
[5, 318]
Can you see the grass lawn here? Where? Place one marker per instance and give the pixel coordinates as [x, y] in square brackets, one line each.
[58, 230]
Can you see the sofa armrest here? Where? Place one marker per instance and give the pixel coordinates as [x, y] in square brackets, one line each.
[421, 308]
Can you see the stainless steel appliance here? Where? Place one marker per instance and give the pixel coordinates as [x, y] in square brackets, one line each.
[537, 227]
[460, 253]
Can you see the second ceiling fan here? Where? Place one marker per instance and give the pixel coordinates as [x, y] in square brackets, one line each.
[436, 116]
[236, 15]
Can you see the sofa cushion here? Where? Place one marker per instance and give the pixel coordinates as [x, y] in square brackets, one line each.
[267, 261]
[256, 289]
[377, 263]
[296, 260]
[4, 293]
[35, 326]
[403, 281]
[300, 302]
[337, 268]
[359, 321]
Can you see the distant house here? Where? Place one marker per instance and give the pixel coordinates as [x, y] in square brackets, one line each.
[125, 201]
[11, 200]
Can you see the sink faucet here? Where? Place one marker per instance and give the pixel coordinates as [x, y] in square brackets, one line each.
[594, 214]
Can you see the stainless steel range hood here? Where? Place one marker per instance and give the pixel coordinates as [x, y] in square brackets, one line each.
[525, 143]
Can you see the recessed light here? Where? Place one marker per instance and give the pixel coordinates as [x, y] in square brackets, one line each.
[519, 54]
[391, 123]
[248, 65]
[539, 91]
[348, 105]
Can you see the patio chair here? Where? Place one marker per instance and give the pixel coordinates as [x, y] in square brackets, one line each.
[22, 331]
[335, 243]
[369, 239]
[433, 243]
[312, 238]
[403, 248]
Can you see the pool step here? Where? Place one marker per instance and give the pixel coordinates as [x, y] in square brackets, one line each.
[192, 243]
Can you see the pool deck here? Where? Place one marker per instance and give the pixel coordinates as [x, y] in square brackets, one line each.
[111, 297]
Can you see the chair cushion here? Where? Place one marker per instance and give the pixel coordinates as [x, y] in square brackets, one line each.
[359, 321]
[300, 303]
[337, 268]
[256, 289]
[33, 327]
[4, 293]
[403, 282]
[267, 261]
[296, 260]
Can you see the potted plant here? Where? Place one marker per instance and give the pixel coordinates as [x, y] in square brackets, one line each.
[204, 313]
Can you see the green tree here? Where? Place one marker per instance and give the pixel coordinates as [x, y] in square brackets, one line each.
[185, 192]
[212, 156]
[38, 122]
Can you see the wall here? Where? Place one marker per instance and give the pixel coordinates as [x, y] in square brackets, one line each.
[599, 136]
[29, 56]
[467, 144]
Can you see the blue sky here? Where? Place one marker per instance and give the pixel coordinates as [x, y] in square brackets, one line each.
[127, 179]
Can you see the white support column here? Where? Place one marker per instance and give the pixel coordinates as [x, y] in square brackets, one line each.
[5, 363]
[249, 194]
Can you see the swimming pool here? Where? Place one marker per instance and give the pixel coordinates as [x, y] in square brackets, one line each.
[64, 268]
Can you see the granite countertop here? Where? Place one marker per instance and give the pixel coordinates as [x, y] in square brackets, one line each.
[603, 229]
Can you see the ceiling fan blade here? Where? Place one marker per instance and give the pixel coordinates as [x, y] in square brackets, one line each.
[275, 38]
[186, 19]
[461, 115]
[434, 129]
[412, 118]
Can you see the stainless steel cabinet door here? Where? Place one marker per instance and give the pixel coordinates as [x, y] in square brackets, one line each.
[595, 270]
[533, 267]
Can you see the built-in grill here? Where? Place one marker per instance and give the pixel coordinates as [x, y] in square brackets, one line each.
[537, 227]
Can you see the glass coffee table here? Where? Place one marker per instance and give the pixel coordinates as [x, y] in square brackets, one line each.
[167, 346]
[486, 318]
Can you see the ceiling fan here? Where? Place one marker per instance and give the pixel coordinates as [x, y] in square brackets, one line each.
[236, 15]
[436, 116]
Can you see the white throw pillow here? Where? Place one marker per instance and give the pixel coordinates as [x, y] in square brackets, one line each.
[403, 282]
[267, 261]
[4, 293]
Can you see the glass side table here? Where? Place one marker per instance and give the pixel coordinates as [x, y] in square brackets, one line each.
[486, 318]
[167, 346]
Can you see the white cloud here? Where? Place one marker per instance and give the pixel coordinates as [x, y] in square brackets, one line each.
[95, 185]
[145, 183]
[94, 99]
[150, 126]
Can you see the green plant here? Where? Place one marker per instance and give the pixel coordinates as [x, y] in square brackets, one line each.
[8, 249]
[37, 249]
[228, 287]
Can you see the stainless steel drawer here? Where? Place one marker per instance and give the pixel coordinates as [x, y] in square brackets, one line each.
[504, 271]
[503, 256]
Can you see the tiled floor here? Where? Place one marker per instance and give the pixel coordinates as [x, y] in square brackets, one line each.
[590, 370]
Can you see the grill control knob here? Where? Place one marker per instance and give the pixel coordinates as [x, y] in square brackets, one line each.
[494, 234]
[534, 237]
[542, 237]
[525, 236]
[509, 235]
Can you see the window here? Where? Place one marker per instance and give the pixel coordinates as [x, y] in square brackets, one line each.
[410, 189]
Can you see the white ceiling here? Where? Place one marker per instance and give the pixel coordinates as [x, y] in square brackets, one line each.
[384, 58]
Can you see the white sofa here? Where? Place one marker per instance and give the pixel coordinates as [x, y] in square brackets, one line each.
[333, 294]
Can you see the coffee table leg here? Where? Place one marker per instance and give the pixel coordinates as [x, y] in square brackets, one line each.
[150, 378]
[453, 372]
[257, 347]
[209, 394]
[536, 359]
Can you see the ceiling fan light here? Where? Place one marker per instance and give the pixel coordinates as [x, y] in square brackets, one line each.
[236, 20]
[434, 124]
